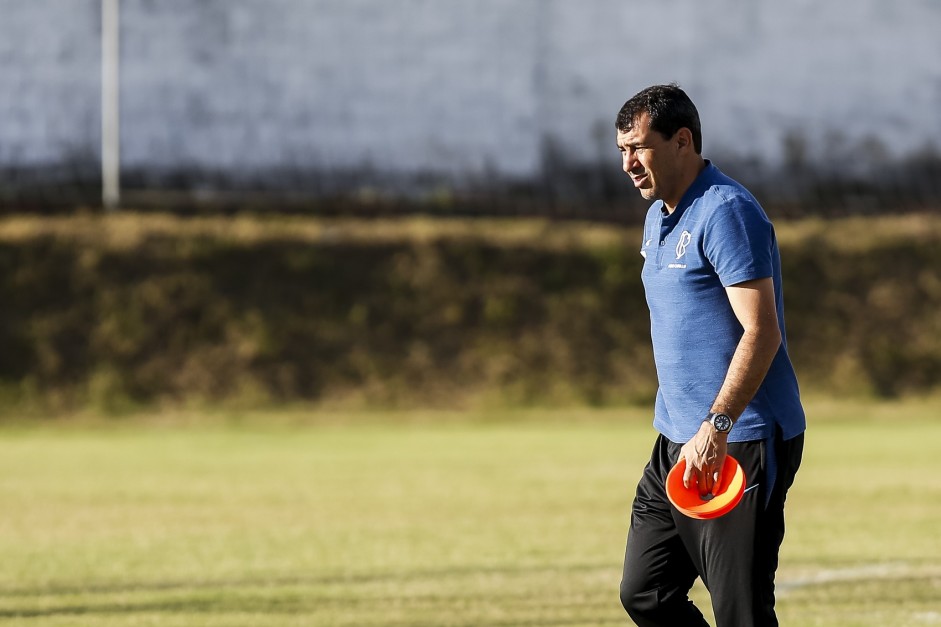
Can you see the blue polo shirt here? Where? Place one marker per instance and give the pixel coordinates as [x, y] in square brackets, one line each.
[718, 236]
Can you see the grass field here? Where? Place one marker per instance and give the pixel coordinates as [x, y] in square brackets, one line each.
[471, 520]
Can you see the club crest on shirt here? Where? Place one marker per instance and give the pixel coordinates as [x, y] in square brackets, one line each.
[685, 239]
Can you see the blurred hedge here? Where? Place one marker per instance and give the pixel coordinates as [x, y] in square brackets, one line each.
[123, 311]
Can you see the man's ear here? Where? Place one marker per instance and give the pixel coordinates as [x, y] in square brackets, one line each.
[684, 139]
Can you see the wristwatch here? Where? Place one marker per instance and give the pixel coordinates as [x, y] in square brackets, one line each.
[721, 422]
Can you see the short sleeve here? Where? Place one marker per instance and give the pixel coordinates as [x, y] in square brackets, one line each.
[739, 241]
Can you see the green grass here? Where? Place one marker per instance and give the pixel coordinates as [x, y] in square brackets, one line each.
[517, 519]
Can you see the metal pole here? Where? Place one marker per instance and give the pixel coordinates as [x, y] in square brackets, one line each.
[110, 105]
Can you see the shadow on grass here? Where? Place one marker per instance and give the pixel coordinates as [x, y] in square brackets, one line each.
[300, 595]
[300, 580]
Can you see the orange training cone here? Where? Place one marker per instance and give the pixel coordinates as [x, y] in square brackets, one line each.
[725, 496]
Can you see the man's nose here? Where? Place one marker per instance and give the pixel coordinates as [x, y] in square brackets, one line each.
[629, 161]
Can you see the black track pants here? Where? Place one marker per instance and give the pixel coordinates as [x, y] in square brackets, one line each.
[736, 555]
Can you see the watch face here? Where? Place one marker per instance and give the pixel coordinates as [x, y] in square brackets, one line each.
[722, 422]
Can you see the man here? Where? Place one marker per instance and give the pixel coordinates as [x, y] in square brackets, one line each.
[712, 277]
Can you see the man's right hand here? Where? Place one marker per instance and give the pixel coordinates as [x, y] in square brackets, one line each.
[705, 456]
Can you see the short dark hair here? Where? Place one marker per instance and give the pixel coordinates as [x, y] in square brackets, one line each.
[669, 109]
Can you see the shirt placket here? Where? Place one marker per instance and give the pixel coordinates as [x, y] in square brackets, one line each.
[666, 227]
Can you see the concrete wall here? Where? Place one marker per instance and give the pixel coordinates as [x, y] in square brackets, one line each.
[470, 89]
[49, 81]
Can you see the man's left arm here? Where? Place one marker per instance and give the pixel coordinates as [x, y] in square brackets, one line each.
[754, 306]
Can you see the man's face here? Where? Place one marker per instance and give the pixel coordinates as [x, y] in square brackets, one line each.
[651, 160]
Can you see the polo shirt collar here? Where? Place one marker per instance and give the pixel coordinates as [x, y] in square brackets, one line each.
[700, 184]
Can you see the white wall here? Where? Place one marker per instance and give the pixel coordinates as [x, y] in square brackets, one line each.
[470, 87]
[49, 81]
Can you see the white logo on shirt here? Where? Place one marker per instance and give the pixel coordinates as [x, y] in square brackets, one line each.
[685, 239]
